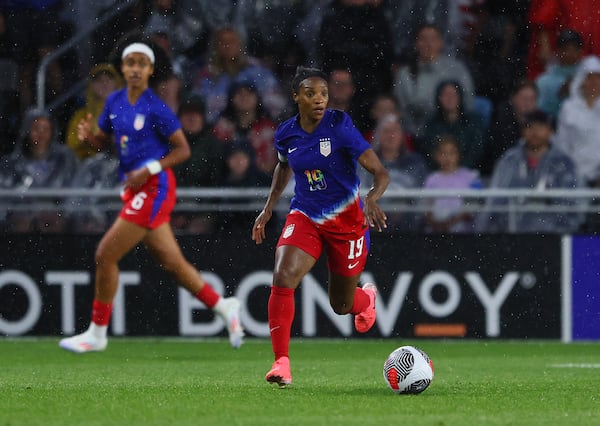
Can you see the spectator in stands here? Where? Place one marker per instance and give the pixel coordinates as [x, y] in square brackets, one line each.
[102, 81]
[241, 167]
[547, 18]
[306, 31]
[507, 125]
[169, 90]
[341, 90]
[89, 214]
[553, 84]
[451, 118]
[270, 30]
[205, 168]
[415, 83]
[382, 104]
[408, 16]
[407, 170]
[448, 214]
[227, 64]
[39, 160]
[241, 173]
[579, 120]
[181, 23]
[466, 19]
[355, 34]
[206, 165]
[167, 80]
[536, 164]
[178, 63]
[245, 119]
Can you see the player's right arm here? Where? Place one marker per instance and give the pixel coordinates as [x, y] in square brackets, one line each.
[281, 177]
[96, 140]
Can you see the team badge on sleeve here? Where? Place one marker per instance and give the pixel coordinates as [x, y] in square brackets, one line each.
[138, 123]
[325, 146]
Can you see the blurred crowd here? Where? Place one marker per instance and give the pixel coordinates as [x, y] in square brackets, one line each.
[452, 94]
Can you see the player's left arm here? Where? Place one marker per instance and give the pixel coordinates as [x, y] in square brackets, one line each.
[179, 152]
[374, 216]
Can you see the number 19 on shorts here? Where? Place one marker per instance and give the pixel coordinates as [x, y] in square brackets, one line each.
[356, 248]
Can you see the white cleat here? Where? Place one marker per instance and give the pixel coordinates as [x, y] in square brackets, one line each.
[85, 342]
[230, 312]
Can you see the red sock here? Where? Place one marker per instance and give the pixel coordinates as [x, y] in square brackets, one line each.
[281, 315]
[361, 301]
[208, 296]
[101, 312]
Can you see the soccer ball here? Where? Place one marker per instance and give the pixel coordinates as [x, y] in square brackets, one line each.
[408, 370]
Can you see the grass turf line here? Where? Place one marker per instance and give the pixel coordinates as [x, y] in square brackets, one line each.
[205, 382]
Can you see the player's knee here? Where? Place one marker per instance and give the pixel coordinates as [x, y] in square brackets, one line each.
[286, 278]
[102, 257]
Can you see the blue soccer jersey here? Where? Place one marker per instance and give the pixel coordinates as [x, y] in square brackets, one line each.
[325, 164]
[141, 131]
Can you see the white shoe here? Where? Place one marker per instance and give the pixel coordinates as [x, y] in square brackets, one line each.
[229, 310]
[85, 342]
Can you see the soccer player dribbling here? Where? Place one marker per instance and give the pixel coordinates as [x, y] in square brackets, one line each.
[322, 149]
[149, 141]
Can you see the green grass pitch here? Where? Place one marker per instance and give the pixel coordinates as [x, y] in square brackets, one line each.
[336, 382]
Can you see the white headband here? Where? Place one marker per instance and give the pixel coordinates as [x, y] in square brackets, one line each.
[138, 48]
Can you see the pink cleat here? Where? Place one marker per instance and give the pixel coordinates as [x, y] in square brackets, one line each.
[280, 372]
[365, 320]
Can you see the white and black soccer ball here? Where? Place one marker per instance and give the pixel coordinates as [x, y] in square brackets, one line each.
[408, 370]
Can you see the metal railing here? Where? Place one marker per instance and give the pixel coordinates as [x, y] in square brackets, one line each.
[218, 200]
[186, 194]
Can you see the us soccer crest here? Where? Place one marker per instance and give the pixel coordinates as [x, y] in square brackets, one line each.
[289, 230]
[325, 146]
[138, 123]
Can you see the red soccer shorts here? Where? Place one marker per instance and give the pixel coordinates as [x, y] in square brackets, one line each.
[152, 205]
[346, 249]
